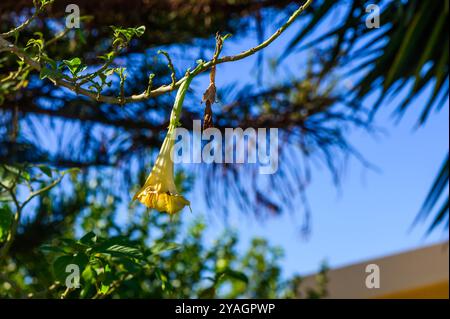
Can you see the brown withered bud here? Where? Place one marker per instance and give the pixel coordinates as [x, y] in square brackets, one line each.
[210, 94]
[209, 97]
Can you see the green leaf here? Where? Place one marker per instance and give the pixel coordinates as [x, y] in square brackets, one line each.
[12, 169]
[89, 274]
[163, 278]
[61, 263]
[53, 249]
[234, 275]
[9, 175]
[124, 35]
[75, 245]
[26, 176]
[47, 72]
[139, 31]
[159, 248]
[38, 43]
[74, 65]
[121, 250]
[89, 278]
[89, 239]
[5, 197]
[108, 279]
[46, 170]
[119, 247]
[130, 265]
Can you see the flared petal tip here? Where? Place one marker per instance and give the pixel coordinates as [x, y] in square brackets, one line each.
[162, 202]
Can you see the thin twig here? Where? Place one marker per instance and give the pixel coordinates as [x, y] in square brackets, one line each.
[66, 292]
[23, 25]
[19, 207]
[86, 78]
[171, 67]
[43, 190]
[57, 37]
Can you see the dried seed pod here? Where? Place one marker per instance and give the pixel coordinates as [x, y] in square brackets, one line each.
[209, 97]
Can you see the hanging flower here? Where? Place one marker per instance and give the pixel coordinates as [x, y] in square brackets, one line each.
[159, 191]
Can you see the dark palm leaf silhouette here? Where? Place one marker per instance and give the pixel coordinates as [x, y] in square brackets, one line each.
[410, 48]
[432, 200]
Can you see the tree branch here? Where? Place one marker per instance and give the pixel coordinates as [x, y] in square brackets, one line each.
[7, 46]
[23, 25]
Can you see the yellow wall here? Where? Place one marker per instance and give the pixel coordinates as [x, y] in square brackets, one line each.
[435, 291]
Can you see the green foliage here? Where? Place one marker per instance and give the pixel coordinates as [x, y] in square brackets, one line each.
[37, 180]
[75, 66]
[36, 43]
[147, 256]
[15, 80]
[122, 36]
[102, 262]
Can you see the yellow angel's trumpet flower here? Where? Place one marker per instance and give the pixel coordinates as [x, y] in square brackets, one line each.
[159, 191]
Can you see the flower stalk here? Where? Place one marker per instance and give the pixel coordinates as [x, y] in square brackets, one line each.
[159, 191]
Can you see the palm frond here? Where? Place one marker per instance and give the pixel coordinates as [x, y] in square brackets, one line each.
[436, 192]
[412, 45]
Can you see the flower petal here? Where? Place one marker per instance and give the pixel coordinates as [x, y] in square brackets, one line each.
[163, 202]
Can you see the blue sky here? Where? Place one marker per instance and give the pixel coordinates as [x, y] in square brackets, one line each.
[371, 214]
